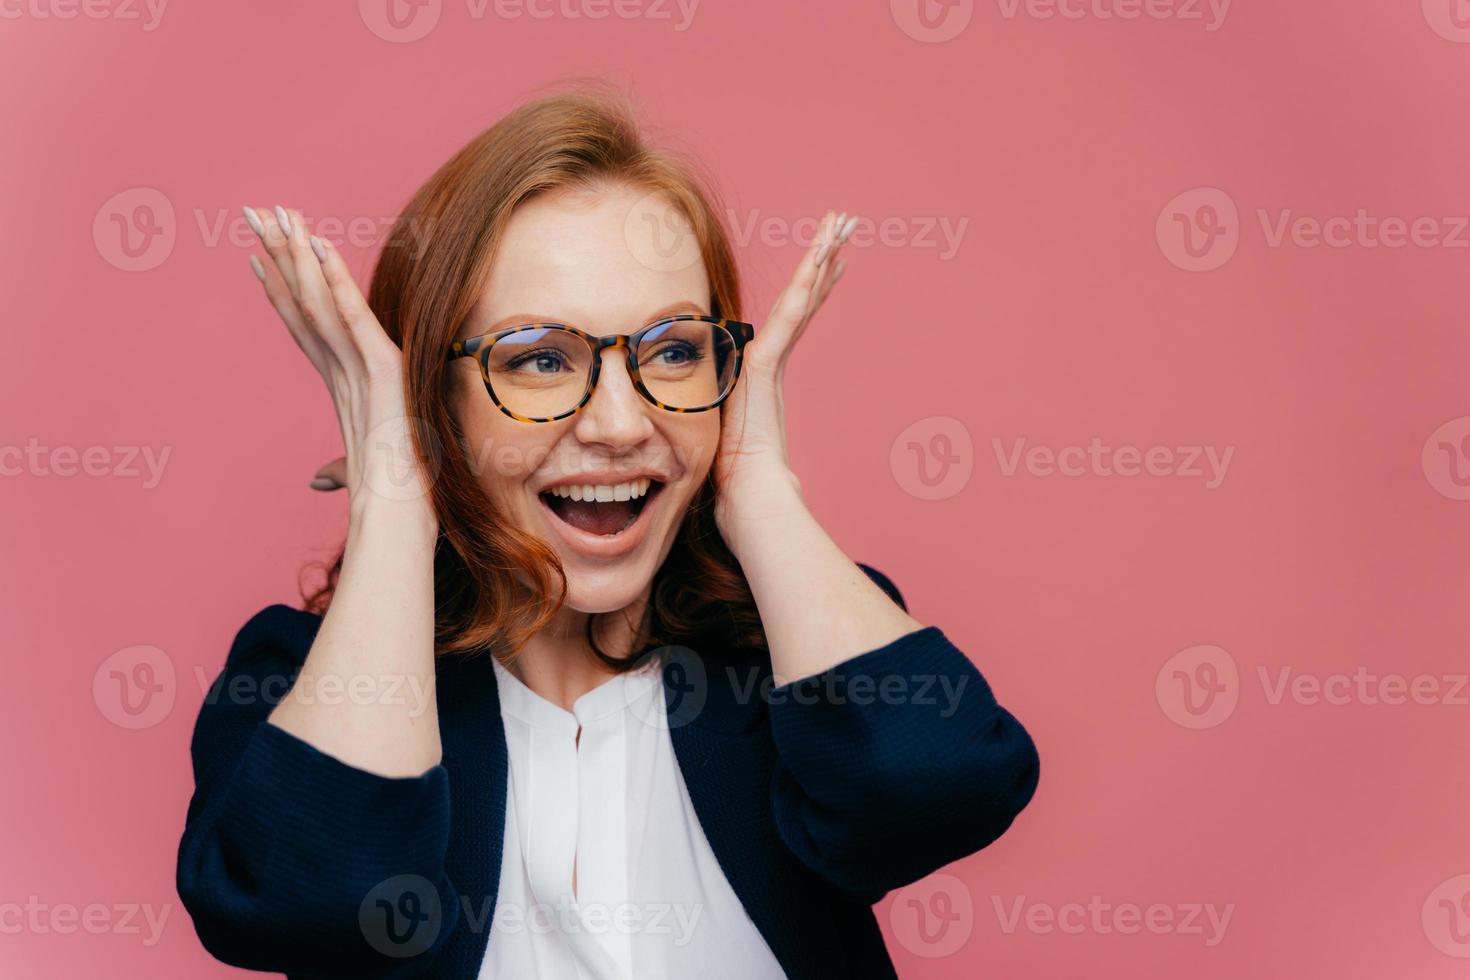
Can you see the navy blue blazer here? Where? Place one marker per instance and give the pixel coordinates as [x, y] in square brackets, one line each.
[817, 797]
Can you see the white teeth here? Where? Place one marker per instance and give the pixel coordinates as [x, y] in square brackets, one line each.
[603, 491]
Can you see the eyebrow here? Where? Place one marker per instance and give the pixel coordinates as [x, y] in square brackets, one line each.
[519, 319]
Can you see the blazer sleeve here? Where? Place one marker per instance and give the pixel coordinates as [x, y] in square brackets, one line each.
[895, 762]
[291, 860]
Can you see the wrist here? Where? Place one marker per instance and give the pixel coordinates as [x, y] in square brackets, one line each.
[412, 520]
[764, 504]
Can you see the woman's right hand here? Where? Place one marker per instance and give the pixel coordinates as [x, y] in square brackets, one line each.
[379, 628]
[311, 288]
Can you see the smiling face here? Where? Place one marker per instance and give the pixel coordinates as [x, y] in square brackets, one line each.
[589, 259]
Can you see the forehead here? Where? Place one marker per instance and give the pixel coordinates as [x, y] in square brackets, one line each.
[606, 260]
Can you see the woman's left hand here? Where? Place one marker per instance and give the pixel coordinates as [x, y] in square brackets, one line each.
[751, 464]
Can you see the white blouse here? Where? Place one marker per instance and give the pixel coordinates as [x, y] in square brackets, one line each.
[650, 901]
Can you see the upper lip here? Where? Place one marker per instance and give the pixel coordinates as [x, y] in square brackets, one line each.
[608, 478]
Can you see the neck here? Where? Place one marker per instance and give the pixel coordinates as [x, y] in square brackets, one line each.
[558, 663]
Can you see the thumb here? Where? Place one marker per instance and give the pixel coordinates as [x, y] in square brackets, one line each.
[332, 476]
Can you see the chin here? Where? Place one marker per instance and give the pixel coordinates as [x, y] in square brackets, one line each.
[609, 588]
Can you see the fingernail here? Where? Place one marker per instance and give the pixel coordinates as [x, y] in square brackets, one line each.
[284, 219]
[319, 249]
[256, 225]
[847, 229]
[323, 483]
[257, 268]
[837, 272]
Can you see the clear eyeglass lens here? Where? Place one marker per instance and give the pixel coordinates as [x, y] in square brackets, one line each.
[686, 363]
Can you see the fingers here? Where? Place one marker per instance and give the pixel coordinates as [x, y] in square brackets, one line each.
[279, 294]
[790, 306]
[311, 287]
[312, 294]
[263, 222]
[818, 259]
[813, 279]
[837, 269]
[830, 266]
[841, 230]
[332, 476]
[352, 309]
[304, 299]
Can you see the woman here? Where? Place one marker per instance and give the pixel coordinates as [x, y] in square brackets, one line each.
[589, 692]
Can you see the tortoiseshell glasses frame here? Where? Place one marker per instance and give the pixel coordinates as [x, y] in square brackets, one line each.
[479, 348]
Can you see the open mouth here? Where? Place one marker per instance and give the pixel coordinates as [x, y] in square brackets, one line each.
[600, 511]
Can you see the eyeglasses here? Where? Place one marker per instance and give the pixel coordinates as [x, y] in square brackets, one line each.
[541, 372]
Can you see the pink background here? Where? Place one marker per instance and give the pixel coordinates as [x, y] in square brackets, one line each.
[1336, 542]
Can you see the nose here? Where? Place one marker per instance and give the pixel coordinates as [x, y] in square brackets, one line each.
[617, 415]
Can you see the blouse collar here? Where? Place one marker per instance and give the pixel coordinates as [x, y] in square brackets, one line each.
[621, 692]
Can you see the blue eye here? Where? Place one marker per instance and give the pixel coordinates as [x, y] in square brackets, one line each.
[679, 353]
[552, 360]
